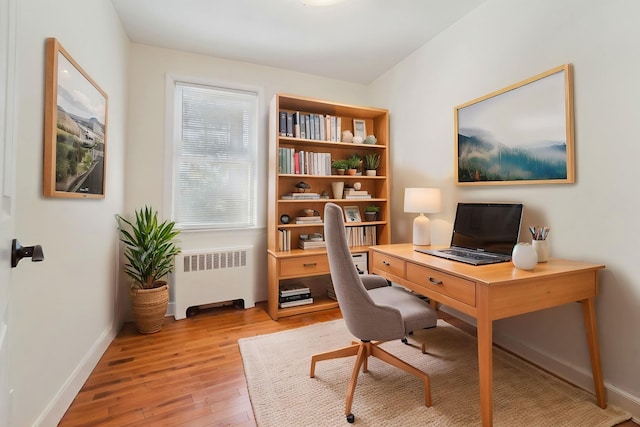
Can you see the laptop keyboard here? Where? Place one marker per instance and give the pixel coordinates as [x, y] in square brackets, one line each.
[472, 255]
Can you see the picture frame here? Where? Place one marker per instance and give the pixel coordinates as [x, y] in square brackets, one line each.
[360, 128]
[75, 129]
[352, 214]
[522, 134]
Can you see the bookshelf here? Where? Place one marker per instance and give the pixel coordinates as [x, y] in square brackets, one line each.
[304, 154]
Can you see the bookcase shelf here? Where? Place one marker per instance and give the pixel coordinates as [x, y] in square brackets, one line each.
[303, 266]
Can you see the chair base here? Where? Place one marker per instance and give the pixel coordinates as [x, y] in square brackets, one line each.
[362, 350]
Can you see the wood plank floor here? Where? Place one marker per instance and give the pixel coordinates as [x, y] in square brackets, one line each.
[189, 374]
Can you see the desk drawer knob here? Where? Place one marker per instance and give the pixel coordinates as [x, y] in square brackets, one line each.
[386, 263]
[310, 264]
[435, 281]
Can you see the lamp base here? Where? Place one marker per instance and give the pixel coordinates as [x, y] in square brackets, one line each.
[421, 230]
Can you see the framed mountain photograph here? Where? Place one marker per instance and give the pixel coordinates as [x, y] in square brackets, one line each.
[522, 134]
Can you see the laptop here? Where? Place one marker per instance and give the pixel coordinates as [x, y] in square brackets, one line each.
[483, 233]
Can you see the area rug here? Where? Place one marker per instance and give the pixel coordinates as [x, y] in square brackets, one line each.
[282, 394]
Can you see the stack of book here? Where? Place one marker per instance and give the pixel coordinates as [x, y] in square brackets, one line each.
[300, 196]
[311, 243]
[350, 193]
[284, 239]
[309, 219]
[294, 296]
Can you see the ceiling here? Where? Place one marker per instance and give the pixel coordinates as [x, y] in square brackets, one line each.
[355, 41]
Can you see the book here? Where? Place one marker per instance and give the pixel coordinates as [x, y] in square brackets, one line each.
[296, 303]
[283, 123]
[293, 290]
[300, 196]
[296, 297]
[357, 196]
[308, 220]
[355, 192]
[296, 124]
[289, 124]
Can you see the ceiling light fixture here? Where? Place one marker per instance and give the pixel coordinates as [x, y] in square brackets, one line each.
[320, 2]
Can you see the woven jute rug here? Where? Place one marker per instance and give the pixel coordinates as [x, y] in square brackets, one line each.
[282, 394]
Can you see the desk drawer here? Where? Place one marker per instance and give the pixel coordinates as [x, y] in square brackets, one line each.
[389, 264]
[443, 283]
[304, 266]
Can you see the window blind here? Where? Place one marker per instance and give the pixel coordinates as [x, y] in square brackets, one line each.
[214, 157]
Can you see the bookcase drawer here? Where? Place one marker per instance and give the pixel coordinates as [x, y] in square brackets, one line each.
[389, 264]
[304, 266]
[454, 287]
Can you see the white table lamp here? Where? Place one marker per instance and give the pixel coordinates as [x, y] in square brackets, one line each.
[422, 201]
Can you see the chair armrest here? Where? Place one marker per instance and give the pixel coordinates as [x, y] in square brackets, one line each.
[372, 281]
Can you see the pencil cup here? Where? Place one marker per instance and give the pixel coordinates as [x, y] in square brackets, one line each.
[542, 249]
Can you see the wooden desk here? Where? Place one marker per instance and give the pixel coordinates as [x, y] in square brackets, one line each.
[493, 292]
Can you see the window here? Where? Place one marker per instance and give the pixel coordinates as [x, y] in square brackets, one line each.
[214, 157]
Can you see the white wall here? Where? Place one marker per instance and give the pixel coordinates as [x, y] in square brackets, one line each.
[501, 43]
[63, 308]
[145, 153]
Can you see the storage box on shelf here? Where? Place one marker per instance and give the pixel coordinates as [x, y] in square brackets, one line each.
[300, 184]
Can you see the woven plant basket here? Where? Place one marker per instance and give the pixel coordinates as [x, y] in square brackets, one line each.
[149, 307]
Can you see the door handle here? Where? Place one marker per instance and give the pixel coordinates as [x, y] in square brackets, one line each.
[18, 252]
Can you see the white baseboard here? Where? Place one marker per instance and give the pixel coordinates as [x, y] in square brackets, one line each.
[571, 374]
[56, 409]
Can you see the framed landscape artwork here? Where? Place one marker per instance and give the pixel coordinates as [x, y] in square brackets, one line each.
[522, 134]
[75, 128]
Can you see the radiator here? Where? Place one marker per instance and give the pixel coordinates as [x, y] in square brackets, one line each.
[211, 276]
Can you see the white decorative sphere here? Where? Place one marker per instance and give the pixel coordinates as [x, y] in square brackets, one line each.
[357, 139]
[524, 256]
[357, 186]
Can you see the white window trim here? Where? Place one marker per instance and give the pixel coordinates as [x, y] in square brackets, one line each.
[170, 130]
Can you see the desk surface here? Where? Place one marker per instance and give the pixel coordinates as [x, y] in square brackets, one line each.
[492, 274]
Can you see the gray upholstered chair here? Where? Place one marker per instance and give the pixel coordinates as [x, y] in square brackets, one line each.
[373, 311]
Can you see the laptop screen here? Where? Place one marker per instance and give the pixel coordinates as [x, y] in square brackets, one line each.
[488, 227]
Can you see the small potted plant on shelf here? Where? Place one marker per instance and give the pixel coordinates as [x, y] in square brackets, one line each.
[340, 166]
[353, 163]
[150, 248]
[371, 212]
[371, 163]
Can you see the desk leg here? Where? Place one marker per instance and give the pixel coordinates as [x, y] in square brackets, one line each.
[589, 314]
[485, 358]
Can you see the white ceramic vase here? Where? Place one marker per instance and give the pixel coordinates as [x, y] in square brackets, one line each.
[524, 256]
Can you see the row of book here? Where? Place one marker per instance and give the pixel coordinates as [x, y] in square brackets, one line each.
[364, 235]
[284, 239]
[303, 162]
[294, 296]
[318, 127]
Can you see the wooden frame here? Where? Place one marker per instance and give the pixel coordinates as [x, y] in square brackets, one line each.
[522, 134]
[75, 129]
[360, 128]
[352, 214]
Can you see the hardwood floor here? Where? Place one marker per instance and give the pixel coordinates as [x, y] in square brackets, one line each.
[189, 374]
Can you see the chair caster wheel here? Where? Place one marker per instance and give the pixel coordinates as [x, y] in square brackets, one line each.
[351, 418]
[405, 341]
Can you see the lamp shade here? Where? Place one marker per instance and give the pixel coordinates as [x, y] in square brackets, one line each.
[422, 200]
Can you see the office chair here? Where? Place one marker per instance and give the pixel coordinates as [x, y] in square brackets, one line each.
[373, 311]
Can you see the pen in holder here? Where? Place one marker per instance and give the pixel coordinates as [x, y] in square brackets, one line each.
[539, 242]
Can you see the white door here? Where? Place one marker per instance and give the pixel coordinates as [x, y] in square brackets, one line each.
[7, 107]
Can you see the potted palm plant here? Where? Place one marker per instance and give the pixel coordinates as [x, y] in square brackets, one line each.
[150, 248]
